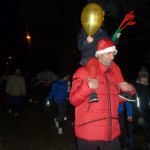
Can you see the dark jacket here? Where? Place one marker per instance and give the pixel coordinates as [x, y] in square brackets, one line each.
[88, 49]
[142, 107]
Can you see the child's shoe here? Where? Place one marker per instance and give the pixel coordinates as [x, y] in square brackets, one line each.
[127, 96]
[65, 117]
[93, 97]
[56, 122]
[60, 131]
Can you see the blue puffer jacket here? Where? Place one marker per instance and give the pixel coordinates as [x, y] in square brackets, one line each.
[59, 91]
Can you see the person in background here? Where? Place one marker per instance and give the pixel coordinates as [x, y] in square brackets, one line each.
[3, 98]
[67, 102]
[141, 109]
[96, 124]
[59, 92]
[124, 110]
[16, 89]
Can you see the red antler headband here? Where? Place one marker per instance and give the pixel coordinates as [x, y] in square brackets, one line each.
[128, 20]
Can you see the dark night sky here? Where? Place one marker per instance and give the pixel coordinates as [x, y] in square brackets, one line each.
[53, 26]
[50, 24]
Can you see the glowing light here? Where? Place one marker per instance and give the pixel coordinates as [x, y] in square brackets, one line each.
[28, 37]
[138, 101]
[48, 103]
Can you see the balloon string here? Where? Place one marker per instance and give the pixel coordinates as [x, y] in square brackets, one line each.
[128, 20]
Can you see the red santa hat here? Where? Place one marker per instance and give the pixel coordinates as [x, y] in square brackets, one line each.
[104, 46]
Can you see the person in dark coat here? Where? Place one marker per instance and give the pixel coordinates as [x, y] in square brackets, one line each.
[141, 109]
[125, 118]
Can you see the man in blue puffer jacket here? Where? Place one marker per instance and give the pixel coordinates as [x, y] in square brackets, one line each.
[59, 93]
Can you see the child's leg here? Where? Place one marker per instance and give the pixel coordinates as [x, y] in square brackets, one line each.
[92, 67]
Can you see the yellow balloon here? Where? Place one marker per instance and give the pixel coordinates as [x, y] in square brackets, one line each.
[92, 17]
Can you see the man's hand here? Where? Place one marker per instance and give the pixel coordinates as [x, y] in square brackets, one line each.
[93, 83]
[129, 118]
[90, 39]
[126, 86]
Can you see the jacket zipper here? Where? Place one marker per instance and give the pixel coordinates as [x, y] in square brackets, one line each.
[109, 105]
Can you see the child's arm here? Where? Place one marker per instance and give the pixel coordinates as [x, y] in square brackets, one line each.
[117, 37]
[86, 43]
[90, 39]
[82, 42]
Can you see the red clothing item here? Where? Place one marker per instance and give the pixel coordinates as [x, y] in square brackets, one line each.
[92, 67]
[95, 121]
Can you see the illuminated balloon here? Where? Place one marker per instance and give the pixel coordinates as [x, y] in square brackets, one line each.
[92, 17]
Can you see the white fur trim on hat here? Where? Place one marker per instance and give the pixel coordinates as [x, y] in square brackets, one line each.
[106, 50]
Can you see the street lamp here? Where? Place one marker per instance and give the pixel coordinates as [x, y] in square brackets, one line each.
[28, 37]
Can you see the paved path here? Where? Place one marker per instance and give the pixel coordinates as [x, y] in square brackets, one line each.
[33, 130]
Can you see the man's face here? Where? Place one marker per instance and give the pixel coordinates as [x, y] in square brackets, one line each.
[17, 72]
[106, 58]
